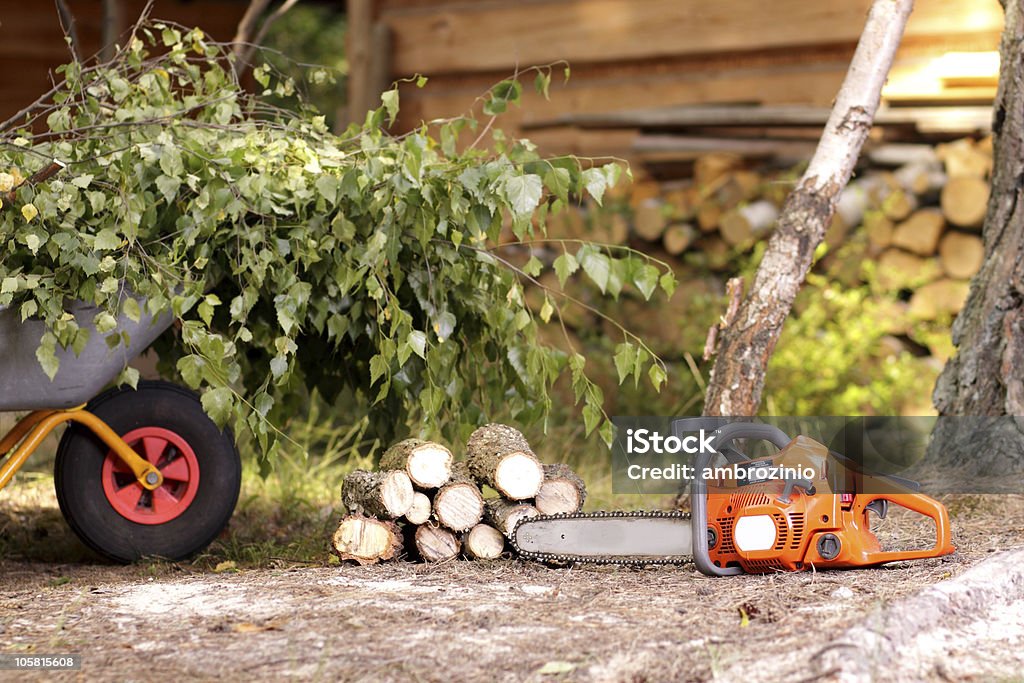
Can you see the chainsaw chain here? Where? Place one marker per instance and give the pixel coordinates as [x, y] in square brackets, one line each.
[554, 558]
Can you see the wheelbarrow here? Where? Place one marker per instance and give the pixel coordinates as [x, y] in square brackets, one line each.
[139, 472]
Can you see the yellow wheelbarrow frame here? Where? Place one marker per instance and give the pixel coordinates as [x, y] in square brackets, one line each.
[25, 437]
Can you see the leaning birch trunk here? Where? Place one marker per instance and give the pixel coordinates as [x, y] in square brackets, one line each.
[459, 505]
[428, 464]
[499, 456]
[563, 492]
[387, 495]
[503, 514]
[436, 544]
[483, 542]
[366, 540]
[746, 342]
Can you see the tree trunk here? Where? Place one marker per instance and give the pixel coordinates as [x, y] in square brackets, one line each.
[366, 540]
[747, 342]
[984, 377]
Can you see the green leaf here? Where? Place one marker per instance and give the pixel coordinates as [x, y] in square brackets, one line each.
[218, 404]
[542, 84]
[646, 280]
[565, 266]
[533, 267]
[389, 98]
[190, 368]
[591, 418]
[558, 181]
[523, 193]
[505, 92]
[546, 310]
[129, 376]
[625, 355]
[106, 240]
[597, 267]
[418, 343]
[168, 187]
[668, 283]
[82, 181]
[657, 376]
[105, 322]
[278, 366]
[596, 182]
[378, 367]
[47, 356]
[130, 307]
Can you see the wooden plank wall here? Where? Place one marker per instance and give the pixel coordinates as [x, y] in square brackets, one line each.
[634, 54]
[32, 44]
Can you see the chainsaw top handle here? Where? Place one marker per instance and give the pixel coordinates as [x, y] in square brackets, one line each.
[724, 437]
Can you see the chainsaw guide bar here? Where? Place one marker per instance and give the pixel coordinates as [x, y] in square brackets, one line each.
[620, 534]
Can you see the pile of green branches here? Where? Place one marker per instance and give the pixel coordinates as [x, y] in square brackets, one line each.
[294, 258]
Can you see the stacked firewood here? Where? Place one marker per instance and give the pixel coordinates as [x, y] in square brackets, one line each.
[917, 208]
[425, 505]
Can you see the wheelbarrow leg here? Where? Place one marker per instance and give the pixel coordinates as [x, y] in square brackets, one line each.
[34, 427]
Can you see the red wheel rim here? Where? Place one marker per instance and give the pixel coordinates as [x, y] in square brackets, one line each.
[175, 459]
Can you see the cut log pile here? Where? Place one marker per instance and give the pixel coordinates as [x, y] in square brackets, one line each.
[916, 209]
[422, 504]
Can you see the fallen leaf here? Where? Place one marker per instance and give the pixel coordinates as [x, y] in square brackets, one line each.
[553, 668]
[249, 627]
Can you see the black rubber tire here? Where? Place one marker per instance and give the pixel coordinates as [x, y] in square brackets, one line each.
[80, 456]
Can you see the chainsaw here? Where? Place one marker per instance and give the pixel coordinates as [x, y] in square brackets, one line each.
[805, 506]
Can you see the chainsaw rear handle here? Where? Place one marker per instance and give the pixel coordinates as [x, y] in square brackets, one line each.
[698, 497]
[921, 504]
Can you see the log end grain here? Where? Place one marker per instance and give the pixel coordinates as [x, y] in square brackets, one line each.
[427, 463]
[961, 254]
[459, 506]
[419, 512]
[483, 542]
[964, 201]
[436, 544]
[379, 494]
[518, 476]
[366, 540]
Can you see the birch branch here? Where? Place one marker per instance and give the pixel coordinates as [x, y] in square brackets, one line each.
[746, 345]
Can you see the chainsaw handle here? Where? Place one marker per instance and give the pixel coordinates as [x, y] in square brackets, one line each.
[699, 489]
[921, 504]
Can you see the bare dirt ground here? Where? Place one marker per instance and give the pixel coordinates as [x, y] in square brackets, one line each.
[503, 620]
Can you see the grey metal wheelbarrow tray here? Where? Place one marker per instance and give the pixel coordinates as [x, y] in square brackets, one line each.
[25, 386]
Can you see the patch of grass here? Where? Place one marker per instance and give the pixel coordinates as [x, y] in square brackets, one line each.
[289, 516]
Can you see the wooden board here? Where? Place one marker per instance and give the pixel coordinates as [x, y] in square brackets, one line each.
[492, 34]
[32, 45]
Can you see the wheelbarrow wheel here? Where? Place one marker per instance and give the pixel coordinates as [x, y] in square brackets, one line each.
[115, 515]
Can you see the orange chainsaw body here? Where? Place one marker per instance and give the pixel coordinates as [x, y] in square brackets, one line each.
[767, 525]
